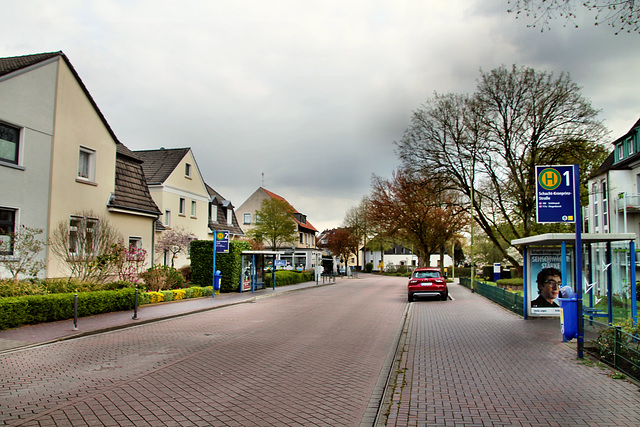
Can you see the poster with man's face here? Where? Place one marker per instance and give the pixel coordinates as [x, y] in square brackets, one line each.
[543, 296]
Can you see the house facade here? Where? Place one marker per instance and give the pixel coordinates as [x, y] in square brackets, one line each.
[59, 158]
[187, 203]
[305, 253]
[614, 207]
[400, 256]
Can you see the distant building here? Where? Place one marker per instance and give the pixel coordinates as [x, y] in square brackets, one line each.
[307, 255]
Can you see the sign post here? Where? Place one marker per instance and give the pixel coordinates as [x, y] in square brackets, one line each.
[558, 200]
[220, 244]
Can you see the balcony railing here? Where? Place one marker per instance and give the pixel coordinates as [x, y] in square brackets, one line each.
[628, 202]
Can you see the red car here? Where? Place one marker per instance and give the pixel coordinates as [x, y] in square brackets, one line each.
[427, 281]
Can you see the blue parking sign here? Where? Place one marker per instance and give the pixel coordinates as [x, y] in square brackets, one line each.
[555, 191]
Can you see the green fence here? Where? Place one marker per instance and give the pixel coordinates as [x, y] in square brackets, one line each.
[615, 347]
[508, 300]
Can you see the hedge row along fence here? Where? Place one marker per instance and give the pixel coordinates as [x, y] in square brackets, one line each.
[32, 309]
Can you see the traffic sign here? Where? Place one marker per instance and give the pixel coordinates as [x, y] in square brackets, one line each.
[555, 190]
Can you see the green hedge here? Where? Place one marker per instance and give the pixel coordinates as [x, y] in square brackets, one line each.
[229, 264]
[510, 282]
[289, 277]
[32, 309]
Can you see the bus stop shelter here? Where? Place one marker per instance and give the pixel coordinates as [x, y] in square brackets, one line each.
[550, 250]
[255, 265]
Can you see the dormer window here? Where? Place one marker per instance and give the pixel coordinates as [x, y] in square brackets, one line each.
[630, 148]
[213, 212]
[620, 151]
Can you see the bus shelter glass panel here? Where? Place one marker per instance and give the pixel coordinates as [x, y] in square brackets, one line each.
[252, 271]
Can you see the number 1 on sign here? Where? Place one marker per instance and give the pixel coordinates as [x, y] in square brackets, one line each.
[567, 178]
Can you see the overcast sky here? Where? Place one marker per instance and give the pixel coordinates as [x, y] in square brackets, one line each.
[311, 92]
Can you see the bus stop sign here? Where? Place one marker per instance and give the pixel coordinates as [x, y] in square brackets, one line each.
[555, 191]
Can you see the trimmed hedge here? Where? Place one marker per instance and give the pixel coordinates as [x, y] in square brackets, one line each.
[31, 309]
[229, 264]
[289, 277]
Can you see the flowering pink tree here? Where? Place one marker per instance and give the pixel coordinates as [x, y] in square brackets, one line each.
[131, 261]
[175, 241]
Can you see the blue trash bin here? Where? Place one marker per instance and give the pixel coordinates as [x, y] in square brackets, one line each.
[216, 280]
[568, 317]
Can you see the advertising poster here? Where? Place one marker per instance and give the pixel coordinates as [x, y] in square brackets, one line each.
[543, 296]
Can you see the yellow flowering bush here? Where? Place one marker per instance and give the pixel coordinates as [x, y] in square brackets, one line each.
[155, 297]
[178, 294]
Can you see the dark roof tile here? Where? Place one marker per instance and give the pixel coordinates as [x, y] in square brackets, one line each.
[131, 191]
[159, 164]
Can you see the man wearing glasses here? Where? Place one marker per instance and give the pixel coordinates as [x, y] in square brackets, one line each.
[549, 283]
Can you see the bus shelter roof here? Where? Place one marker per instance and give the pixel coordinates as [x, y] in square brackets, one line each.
[557, 238]
[260, 253]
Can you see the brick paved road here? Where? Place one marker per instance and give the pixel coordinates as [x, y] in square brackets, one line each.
[469, 362]
[315, 357]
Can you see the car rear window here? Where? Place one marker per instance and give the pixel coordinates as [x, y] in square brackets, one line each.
[426, 274]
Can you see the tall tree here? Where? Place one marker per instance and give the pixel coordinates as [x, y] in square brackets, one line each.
[415, 211]
[342, 243]
[357, 222]
[622, 15]
[274, 224]
[486, 146]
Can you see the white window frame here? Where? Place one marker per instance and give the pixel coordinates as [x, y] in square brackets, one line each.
[7, 237]
[135, 241]
[605, 207]
[167, 218]
[213, 212]
[193, 208]
[246, 218]
[230, 216]
[595, 189]
[91, 229]
[182, 206]
[187, 170]
[630, 147]
[86, 164]
[7, 143]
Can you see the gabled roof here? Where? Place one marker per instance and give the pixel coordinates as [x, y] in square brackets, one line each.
[131, 191]
[626, 135]
[609, 164]
[159, 164]
[221, 223]
[275, 196]
[16, 63]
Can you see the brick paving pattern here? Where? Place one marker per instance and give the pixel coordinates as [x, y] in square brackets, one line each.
[308, 359]
[469, 362]
[312, 358]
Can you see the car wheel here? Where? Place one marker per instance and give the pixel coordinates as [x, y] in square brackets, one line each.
[410, 297]
[444, 296]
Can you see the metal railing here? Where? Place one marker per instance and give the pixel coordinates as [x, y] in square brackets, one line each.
[508, 300]
[616, 347]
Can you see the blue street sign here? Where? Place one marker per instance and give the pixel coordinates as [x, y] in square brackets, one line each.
[555, 190]
[222, 241]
